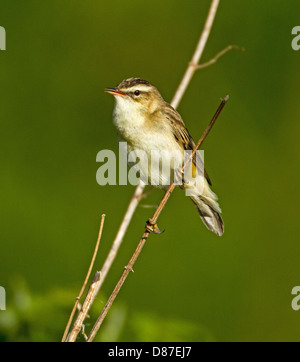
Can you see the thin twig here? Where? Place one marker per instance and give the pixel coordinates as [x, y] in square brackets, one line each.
[86, 279]
[192, 67]
[217, 56]
[144, 238]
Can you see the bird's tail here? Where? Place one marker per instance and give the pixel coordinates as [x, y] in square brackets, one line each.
[209, 209]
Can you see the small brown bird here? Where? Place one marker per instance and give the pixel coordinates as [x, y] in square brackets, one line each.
[147, 122]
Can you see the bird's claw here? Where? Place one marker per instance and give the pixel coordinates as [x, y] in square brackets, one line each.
[152, 227]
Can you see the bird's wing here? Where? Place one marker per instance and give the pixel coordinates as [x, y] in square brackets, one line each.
[181, 134]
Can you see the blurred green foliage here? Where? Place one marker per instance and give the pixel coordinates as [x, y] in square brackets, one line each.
[39, 317]
[188, 284]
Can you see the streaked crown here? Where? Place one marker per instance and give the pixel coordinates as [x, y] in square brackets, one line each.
[138, 89]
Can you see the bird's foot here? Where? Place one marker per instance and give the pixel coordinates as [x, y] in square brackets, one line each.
[152, 227]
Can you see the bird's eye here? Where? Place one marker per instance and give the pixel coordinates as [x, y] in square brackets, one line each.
[137, 93]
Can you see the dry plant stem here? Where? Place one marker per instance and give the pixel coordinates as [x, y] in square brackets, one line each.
[175, 101]
[219, 55]
[86, 279]
[197, 54]
[105, 268]
[78, 325]
[129, 266]
[115, 292]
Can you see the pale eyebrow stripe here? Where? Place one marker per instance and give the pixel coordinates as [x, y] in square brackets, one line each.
[140, 87]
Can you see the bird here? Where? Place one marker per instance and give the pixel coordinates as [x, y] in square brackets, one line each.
[146, 122]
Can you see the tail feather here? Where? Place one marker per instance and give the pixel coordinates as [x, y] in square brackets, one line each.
[206, 202]
[209, 211]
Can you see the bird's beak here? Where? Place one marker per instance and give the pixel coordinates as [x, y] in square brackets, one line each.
[115, 92]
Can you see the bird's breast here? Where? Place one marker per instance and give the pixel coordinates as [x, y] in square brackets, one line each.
[149, 141]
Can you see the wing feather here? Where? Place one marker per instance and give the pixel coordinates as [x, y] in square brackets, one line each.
[181, 133]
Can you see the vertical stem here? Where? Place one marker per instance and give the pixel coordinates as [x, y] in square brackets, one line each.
[197, 54]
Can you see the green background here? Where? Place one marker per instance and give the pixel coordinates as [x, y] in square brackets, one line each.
[188, 284]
